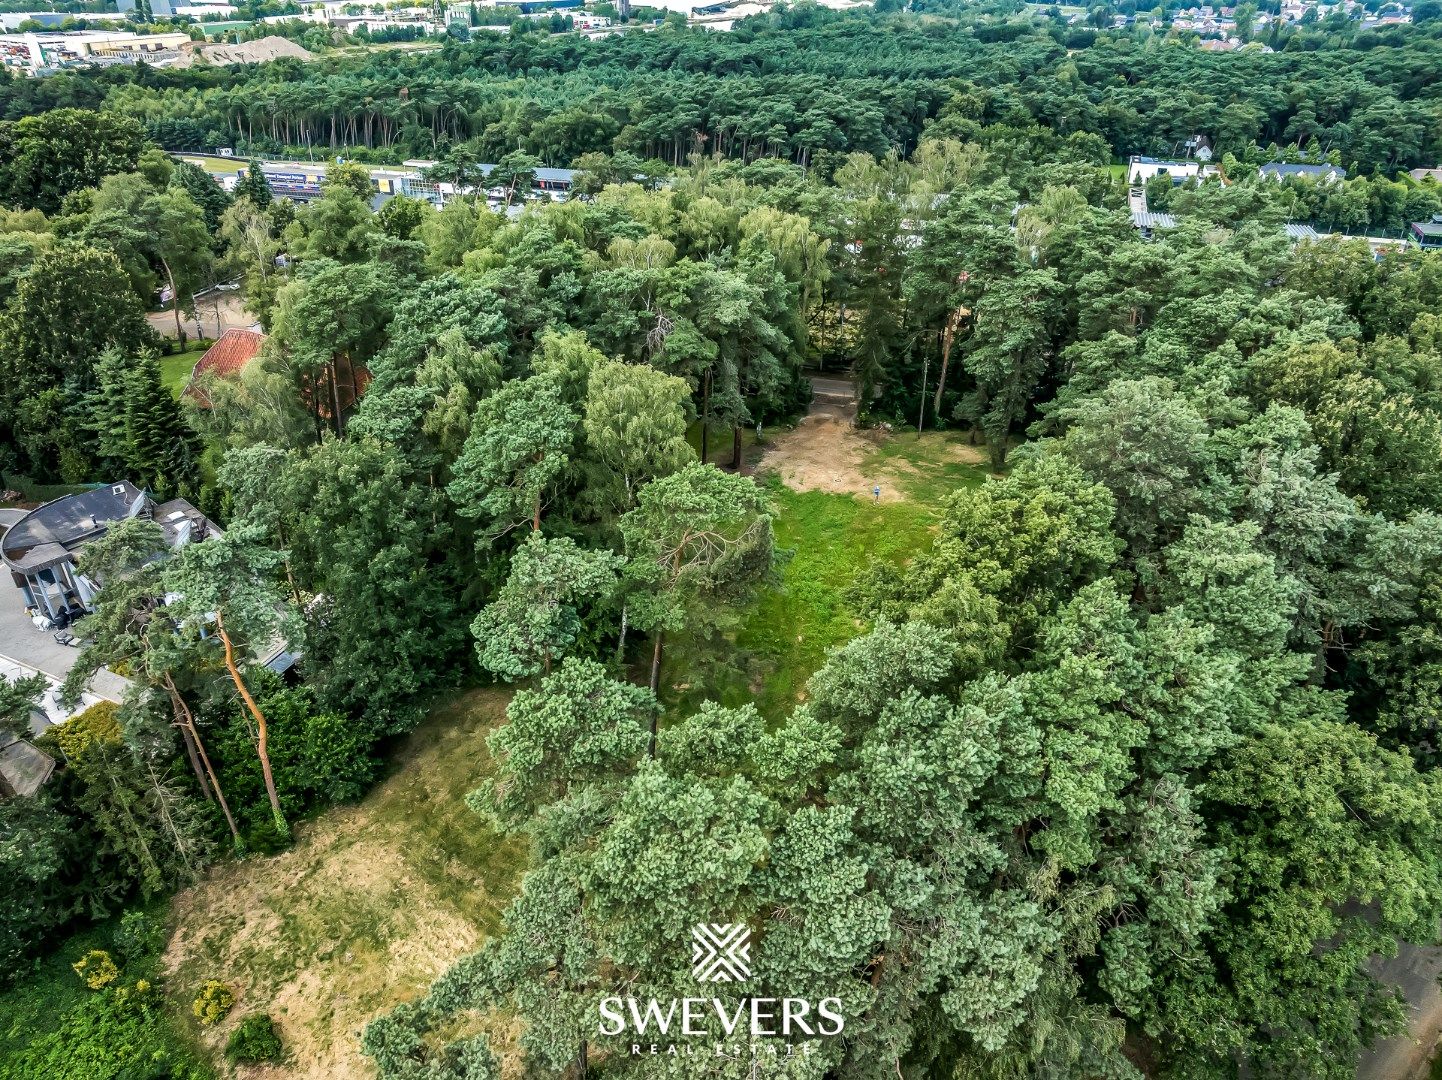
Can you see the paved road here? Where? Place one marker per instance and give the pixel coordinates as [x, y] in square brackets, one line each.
[833, 396]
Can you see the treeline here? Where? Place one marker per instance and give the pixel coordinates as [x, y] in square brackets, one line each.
[797, 84]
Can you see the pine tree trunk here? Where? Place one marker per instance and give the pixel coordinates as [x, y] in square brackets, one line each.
[188, 717]
[335, 402]
[736, 432]
[656, 682]
[188, 741]
[174, 300]
[263, 733]
[705, 415]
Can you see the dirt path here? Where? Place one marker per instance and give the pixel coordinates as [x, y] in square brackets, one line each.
[1415, 969]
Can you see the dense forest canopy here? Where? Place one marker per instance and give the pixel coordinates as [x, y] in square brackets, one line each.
[799, 83]
[1127, 767]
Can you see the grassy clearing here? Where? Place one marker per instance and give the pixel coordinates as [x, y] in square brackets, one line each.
[766, 653]
[929, 467]
[175, 368]
[372, 903]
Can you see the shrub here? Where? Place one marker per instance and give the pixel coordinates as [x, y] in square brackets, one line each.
[116, 1035]
[97, 969]
[136, 936]
[99, 723]
[254, 1041]
[213, 1002]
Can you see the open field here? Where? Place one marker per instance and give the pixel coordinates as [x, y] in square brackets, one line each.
[820, 475]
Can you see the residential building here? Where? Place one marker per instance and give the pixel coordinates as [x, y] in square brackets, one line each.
[1426, 234]
[1420, 175]
[1142, 169]
[41, 548]
[1147, 222]
[232, 351]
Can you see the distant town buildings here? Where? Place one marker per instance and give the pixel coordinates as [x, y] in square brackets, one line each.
[39, 51]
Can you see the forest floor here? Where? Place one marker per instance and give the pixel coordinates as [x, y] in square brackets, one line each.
[372, 903]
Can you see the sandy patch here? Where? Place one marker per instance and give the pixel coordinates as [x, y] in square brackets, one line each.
[215, 313]
[370, 906]
[824, 453]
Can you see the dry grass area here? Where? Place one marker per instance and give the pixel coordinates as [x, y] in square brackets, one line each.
[825, 453]
[372, 903]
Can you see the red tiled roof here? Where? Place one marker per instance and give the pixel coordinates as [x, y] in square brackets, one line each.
[231, 352]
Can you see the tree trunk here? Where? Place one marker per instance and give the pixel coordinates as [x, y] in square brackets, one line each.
[947, 337]
[705, 415]
[188, 719]
[262, 741]
[335, 402]
[621, 642]
[582, 1065]
[188, 740]
[656, 682]
[736, 431]
[536, 515]
[174, 299]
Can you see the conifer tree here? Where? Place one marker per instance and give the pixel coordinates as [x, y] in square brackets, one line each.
[254, 186]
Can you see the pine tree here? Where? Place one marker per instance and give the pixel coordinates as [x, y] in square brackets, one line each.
[164, 448]
[138, 427]
[254, 186]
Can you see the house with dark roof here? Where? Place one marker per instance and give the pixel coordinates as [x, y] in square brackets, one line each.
[1325, 174]
[1426, 234]
[40, 550]
[232, 351]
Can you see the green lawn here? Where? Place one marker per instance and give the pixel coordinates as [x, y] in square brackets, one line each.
[765, 653]
[175, 369]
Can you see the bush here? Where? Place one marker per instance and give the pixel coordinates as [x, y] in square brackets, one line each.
[96, 969]
[212, 1003]
[136, 936]
[318, 758]
[119, 1034]
[265, 838]
[254, 1041]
